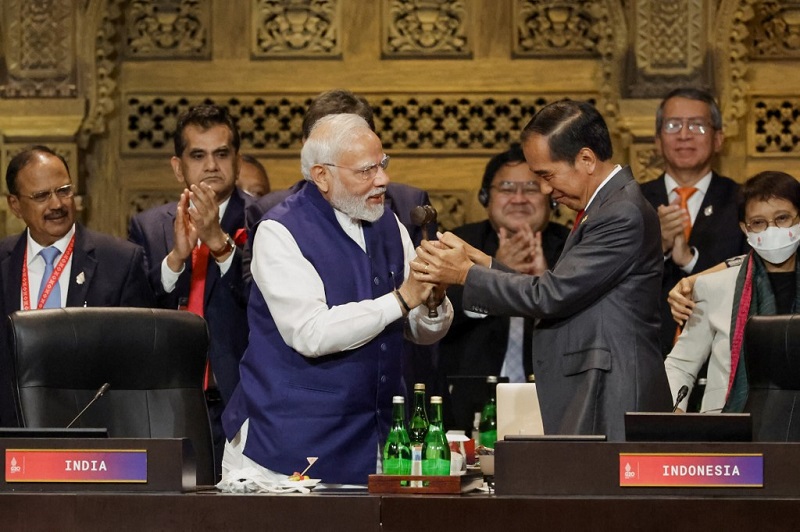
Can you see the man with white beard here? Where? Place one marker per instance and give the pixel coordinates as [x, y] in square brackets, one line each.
[332, 302]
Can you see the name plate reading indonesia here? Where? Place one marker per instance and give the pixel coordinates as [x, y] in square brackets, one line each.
[691, 470]
[76, 465]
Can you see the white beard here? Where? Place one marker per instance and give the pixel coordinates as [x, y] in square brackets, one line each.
[356, 206]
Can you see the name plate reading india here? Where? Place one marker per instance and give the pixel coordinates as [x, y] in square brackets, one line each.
[691, 470]
[76, 465]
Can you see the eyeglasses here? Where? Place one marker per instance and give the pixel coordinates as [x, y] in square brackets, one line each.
[782, 220]
[63, 192]
[368, 172]
[510, 188]
[695, 126]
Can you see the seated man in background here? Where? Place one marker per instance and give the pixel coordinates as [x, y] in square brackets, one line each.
[252, 179]
[519, 234]
[57, 262]
[332, 303]
[764, 284]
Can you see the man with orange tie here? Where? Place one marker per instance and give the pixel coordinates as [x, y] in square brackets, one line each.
[193, 246]
[696, 206]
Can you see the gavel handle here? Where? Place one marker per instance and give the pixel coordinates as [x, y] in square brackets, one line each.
[431, 304]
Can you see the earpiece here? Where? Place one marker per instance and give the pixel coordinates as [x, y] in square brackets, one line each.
[483, 197]
[553, 204]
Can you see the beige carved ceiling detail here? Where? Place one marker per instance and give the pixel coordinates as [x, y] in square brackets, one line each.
[295, 28]
[444, 123]
[168, 29]
[414, 28]
[39, 49]
[775, 30]
[730, 39]
[101, 79]
[775, 126]
[670, 37]
[555, 28]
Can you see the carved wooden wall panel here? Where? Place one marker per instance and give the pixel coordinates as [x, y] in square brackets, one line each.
[556, 28]
[288, 28]
[776, 30]
[174, 29]
[423, 29]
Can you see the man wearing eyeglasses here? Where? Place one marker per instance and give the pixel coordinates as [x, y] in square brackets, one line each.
[696, 206]
[519, 234]
[56, 262]
[332, 306]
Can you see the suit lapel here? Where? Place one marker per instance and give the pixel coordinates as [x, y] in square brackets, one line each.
[11, 267]
[704, 222]
[84, 265]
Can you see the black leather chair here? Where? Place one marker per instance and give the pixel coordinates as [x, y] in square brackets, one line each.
[773, 375]
[153, 359]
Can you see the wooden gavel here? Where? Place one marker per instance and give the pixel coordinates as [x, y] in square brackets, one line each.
[421, 216]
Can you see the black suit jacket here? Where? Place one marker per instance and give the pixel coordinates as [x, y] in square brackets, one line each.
[225, 301]
[477, 346]
[113, 276]
[715, 234]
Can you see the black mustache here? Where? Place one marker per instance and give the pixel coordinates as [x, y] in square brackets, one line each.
[55, 214]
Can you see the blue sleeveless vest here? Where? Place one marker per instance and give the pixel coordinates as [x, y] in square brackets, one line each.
[337, 407]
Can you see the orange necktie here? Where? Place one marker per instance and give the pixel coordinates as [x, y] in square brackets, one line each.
[684, 193]
[197, 291]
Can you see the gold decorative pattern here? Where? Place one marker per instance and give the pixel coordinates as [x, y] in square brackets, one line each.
[442, 123]
[101, 83]
[645, 161]
[775, 30]
[414, 28]
[670, 37]
[450, 206]
[295, 28]
[555, 28]
[143, 200]
[775, 126]
[40, 53]
[167, 29]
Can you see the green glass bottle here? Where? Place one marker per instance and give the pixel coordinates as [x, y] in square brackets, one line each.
[418, 426]
[435, 450]
[488, 426]
[397, 451]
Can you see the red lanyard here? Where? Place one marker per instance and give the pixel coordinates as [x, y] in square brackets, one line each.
[62, 263]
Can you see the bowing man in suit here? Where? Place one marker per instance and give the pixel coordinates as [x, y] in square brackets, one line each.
[519, 234]
[192, 258]
[56, 262]
[596, 352]
[701, 230]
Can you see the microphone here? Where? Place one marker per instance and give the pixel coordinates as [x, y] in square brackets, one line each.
[103, 389]
[681, 395]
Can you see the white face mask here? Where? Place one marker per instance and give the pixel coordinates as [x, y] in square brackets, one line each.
[775, 244]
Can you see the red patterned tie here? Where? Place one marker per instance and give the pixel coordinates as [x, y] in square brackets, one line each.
[684, 193]
[197, 290]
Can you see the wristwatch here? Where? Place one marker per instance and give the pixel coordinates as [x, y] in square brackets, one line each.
[227, 248]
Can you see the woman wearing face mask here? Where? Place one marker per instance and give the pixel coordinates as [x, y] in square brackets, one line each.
[766, 283]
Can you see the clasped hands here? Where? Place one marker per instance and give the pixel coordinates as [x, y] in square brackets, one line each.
[196, 218]
[673, 221]
[446, 261]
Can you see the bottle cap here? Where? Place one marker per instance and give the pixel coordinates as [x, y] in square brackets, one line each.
[491, 379]
[419, 386]
[531, 378]
[398, 399]
[436, 400]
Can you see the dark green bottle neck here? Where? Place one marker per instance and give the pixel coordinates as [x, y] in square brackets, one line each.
[436, 416]
[399, 413]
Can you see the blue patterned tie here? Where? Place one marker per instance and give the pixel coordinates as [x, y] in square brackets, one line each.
[512, 365]
[49, 255]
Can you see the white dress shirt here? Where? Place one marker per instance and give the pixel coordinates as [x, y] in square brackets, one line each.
[36, 267]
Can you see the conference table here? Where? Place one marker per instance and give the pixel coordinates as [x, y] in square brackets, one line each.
[539, 486]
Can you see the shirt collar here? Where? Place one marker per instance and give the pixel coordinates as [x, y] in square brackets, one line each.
[34, 247]
[614, 171]
[701, 186]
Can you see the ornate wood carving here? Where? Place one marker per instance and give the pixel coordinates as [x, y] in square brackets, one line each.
[414, 28]
[451, 208]
[39, 49]
[555, 28]
[167, 29]
[445, 123]
[775, 128]
[143, 200]
[775, 30]
[670, 46]
[295, 28]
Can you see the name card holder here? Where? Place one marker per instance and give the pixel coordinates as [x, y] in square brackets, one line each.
[102, 464]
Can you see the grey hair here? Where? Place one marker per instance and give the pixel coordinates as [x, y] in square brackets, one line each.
[319, 148]
[690, 93]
